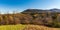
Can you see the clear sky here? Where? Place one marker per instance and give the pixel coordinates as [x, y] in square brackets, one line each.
[20, 5]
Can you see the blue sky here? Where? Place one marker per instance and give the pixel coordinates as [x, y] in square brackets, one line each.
[20, 5]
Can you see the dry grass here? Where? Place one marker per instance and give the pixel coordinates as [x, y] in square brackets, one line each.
[26, 27]
[36, 27]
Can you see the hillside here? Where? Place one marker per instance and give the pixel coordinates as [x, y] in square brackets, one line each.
[32, 16]
[41, 10]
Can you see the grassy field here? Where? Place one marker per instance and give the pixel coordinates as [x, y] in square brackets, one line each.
[12, 27]
[26, 27]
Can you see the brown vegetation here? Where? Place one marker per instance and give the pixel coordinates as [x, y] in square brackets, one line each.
[48, 19]
[37, 27]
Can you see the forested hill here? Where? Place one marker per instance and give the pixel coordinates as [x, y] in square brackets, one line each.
[32, 16]
[41, 10]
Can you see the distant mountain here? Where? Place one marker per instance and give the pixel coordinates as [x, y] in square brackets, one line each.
[55, 10]
[40, 10]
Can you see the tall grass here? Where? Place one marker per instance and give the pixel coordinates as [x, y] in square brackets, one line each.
[12, 27]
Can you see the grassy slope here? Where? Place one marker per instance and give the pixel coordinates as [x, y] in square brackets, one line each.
[26, 27]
